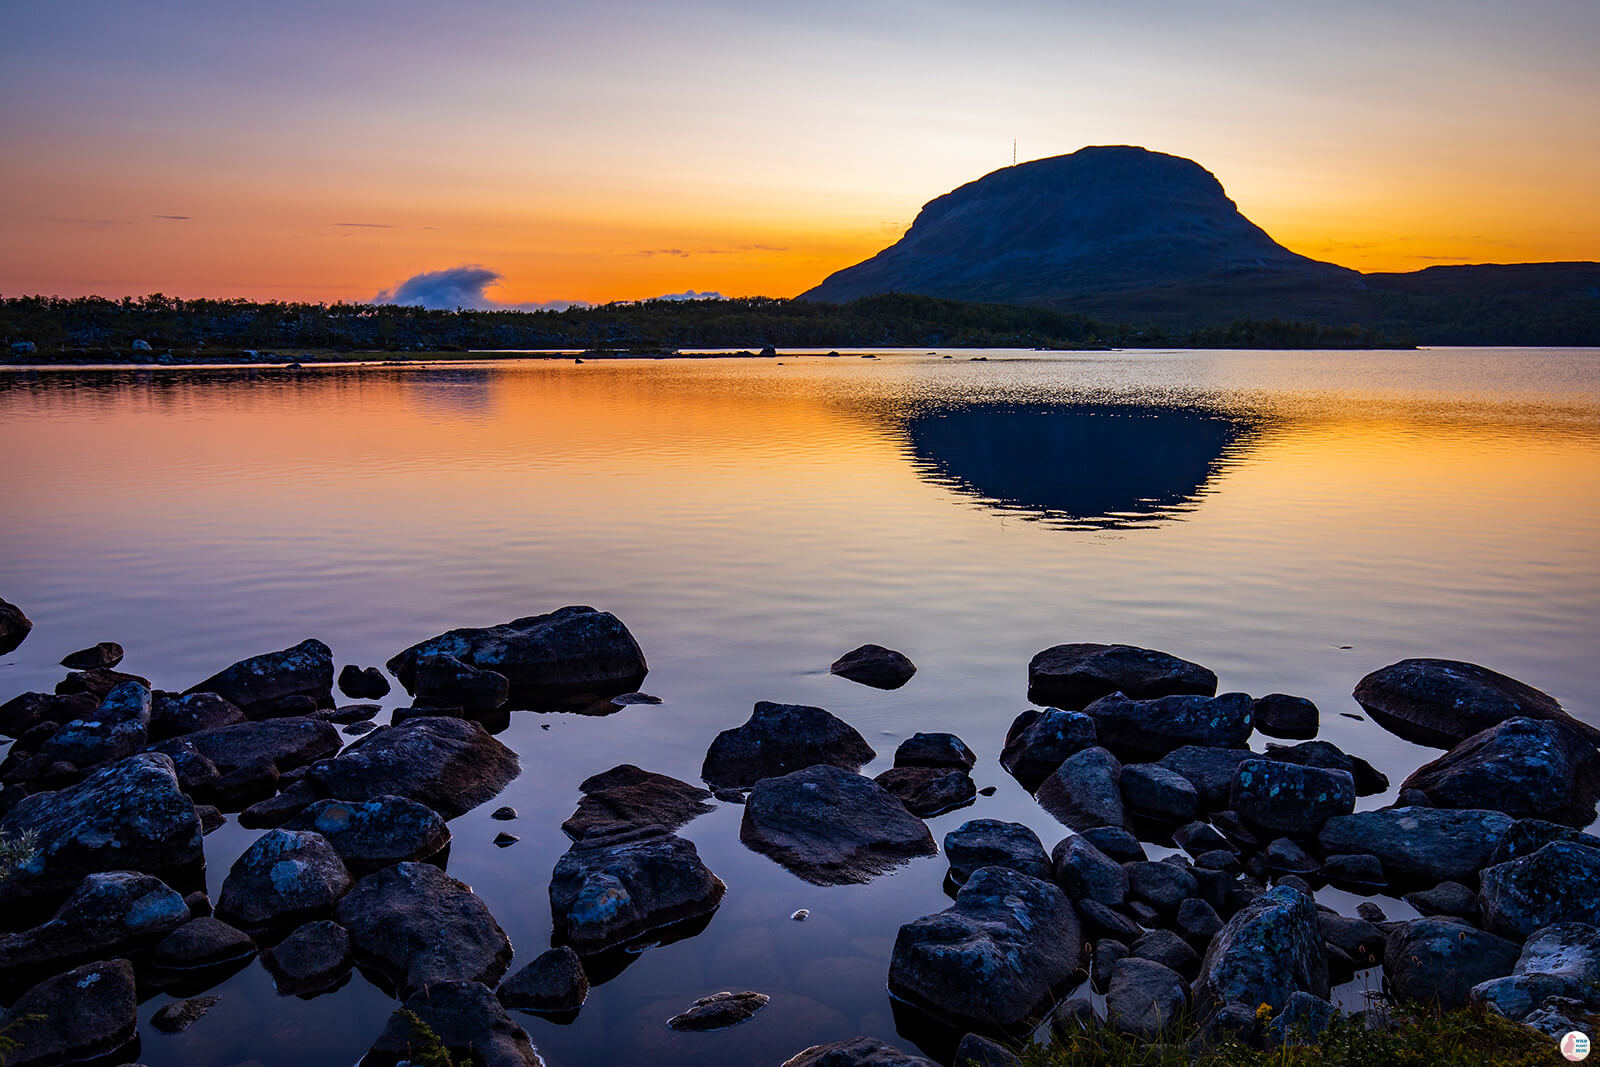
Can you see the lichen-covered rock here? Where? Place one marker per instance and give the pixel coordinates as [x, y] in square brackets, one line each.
[1442, 702]
[314, 956]
[465, 1018]
[1329, 756]
[1144, 999]
[202, 942]
[418, 926]
[571, 655]
[1086, 872]
[856, 1052]
[628, 796]
[1288, 798]
[1560, 883]
[26, 711]
[1439, 960]
[1210, 770]
[1041, 746]
[14, 627]
[1282, 715]
[1085, 791]
[718, 1011]
[1561, 960]
[258, 683]
[285, 878]
[553, 982]
[88, 1012]
[832, 827]
[369, 834]
[993, 843]
[172, 715]
[1527, 768]
[1527, 836]
[1422, 845]
[109, 914]
[934, 750]
[451, 765]
[929, 791]
[778, 739]
[1271, 949]
[1162, 724]
[1158, 793]
[615, 885]
[281, 744]
[1074, 675]
[1302, 1021]
[994, 957]
[874, 665]
[118, 727]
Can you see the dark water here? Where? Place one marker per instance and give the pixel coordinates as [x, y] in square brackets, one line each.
[1291, 520]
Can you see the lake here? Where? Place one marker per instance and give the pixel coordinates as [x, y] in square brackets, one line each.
[1292, 520]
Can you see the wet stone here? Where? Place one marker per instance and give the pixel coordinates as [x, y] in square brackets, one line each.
[719, 1011]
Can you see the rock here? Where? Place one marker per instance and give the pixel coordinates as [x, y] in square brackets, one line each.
[1072, 676]
[375, 833]
[1422, 845]
[1557, 1019]
[1329, 756]
[445, 682]
[451, 765]
[1230, 1023]
[1301, 1022]
[856, 1052]
[1198, 838]
[173, 716]
[118, 727]
[418, 926]
[1210, 770]
[504, 813]
[574, 654]
[1281, 715]
[362, 683]
[1039, 748]
[1115, 842]
[874, 665]
[1074, 1016]
[718, 1011]
[934, 750]
[178, 1016]
[929, 791]
[994, 956]
[1169, 950]
[97, 683]
[628, 796]
[465, 1018]
[992, 843]
[615, 885]
[286, 877]
[1085, 872]
[1442, 702]
[1144, 998]
[140, 346]
[1438, 961]
[1106, 954]
[831, 827]
[553, 982]
[1359, 870]
[1359, 939]
[1370, 911]
[504, 840]
[356, 729]
[778, 739]
[350, 713]
[1288, 798]
[1085, 791]
[975, 1051]
[1158, 793]
[313, 957]
[88, 1012]
[1562, 960]
[1271, 949]
[1163, 886]
[109, 914]
[1104, 923]
[1158, 726]
[129, 816]
[1197, 921]
[25, 712]
[281, 744]
[1527, 768]
[256, 683]
[14, 627]
[1528, 836]
[1560, 883]
[1446, 898]
[202, 942]
[279, 809]
[105, 654]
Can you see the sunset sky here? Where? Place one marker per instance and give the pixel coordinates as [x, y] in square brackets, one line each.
[621, 150]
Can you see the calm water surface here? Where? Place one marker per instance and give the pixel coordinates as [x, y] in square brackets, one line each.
[1292, 520]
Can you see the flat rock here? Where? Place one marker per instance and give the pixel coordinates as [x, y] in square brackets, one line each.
[553, 982]
[993, 843]
[718, 1011]
[994, 957]
[934, 750]
[1560, 883]
[14, 627]
[104, 654]
[314, 956]
[1527, 768]
[89, 1011]
[1421, 845]
[178, 1016]
[109, 914]
[1439, 960]
[1159, 725]
[451, 765]
[1282, 715]
[1041, 746]
[283, 879]
[1442, 702]
[832, 827]
[1144, 998]
[258, 683]
[1074, 675]
[778, 739]
[615, 885]
[1085, 791]
[1271, 949]
[929, 791]
[369, 834]
[465, 1018]
[874, 665]
[202, 942]
[172, 715]
[856, 1052]
[628, 796]
[284, 743]
[363, 683]
[1289, 798]
[418, 926]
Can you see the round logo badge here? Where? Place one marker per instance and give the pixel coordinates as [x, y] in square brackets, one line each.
[1575, 1045]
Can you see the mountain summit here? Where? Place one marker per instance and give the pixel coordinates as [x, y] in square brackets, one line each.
[1105, 219]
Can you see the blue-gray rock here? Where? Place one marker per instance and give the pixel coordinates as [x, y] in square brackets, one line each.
[283, 879]
[929, 791]
[109, 914]
[463, 1017]
[1107, 951]
[1562, 960]
[363, 683]
[874, 665]
[572, 655]
[856, 1052]
[628, 796]
[1283, 856]
[1040, 747]
[1198, 838]
[1211, 770]
[1271, 949]
[1560, 883]
[1163, 886]
[1282, 715]
[934, 750]
[369, 834]
[1169, 950]
[86, 1013]
[451, 765]
[1329, 756]
[1301, 1022]
[418, 926]
[553, 982]
[1158, 793]
[993, 843]
[118, 727]
[1439, 960]
[1085, 791]
[976, 1051]
[205, 941]
[314, 956]
[1422, 845]
[104, 654]
[993, 957]
[1528, 836]
[284, 744]
[172, 715]
[1145, 999]
[14, 627]
[1358, 938]
[718, 1011]
[1446, 898]
[615, 885]
[1442, 702]
[1116, 842]
[831, 826]
[1161, 725]
[442, 681]
[1102, 922]
[778, 739]
[1288, 798]
[1075, 675]
[1527, 768]
[1085, 872]
[1197, 921]
[1359, 870]
[258, 683]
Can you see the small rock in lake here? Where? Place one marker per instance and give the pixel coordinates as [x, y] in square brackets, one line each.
[313, 957]
[719, 1011]
[363, 683]
[202, 942]
[1282, 715]
[14, 627]
[626, 699]
[418, 926]
[503, 814]
[934, 750]
[104, 654]
[554, 982]
[356, 729]
[980, 843]
[258, 683]
[856, 1052]
[874, 665]
[462, 1016]
[178, 1016]
[502, 839]
[987, 791]
[801, 915]
[616, 884]
[778, 739]
[628, 796]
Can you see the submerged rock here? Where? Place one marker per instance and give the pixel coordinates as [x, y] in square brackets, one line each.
[178, 1016]
[1159, 725]
[778, 739]
[88, 1012]
[463, 1017]
[1442, 702]
[719, 1011]
[363, 683]
[109, 914]
[286, 877]
[628, 796]
[615, 884]
[991, 843]
[14, 627]
[1072, 676]
[830, 826]
[1085, 791]
[313, 957]
[1438, 960]
[874, 665]
[258, 683]
[1422, 845]
[1041, 746]
[104, 654]
[451, 765]
[369, 834]
[553, 982]
[1527, 768]
[1271, 949]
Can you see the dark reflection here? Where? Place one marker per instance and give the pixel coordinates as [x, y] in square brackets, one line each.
[1084, 465]
[602, 967]
[460, 391]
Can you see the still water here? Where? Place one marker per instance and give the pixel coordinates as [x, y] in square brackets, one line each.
[1292, 520]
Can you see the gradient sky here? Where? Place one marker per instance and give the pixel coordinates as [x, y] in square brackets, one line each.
[625, 149]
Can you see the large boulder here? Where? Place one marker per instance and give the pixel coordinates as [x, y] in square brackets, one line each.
[257, 684]
[1073, 676]
[1039, 748]
[1527, 768]
[1288, 798]
[1157, 726]
[1560, 883]
[109, 914]
[130, 816]
[1085, 791]
[283, 879]
[14, 626]
[1419, 845]
[87, 1013]
[831, 826]
[417, 926]
[617, 884]
[856, 1052]
[628, 796]
[991, 843]
[374, 833]
[462, 1017]
[778, 739]
[451, 765]
[1442, 702]
[1145, 998]
[1270, 949]
[1561, 960]
[1439, 960]
[994, 957]
[572, 655]
[874, 665]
